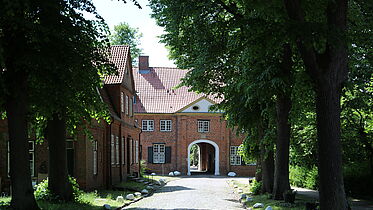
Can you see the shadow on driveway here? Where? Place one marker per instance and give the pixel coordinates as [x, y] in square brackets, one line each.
[173, 189]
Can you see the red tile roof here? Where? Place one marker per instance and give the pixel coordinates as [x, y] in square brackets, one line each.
[156, 94]
[119, 55]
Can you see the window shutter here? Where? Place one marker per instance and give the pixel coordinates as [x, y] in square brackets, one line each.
[168, 155]
[242, 162]
[150, 154]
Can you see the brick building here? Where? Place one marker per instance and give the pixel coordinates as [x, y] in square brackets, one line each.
[173, 120]
[114, 151]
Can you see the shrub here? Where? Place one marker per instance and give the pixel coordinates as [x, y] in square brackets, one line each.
[312, 178]
[304, 177]
[357, 179]
[43, 193]
[256, 187]
[143, 168]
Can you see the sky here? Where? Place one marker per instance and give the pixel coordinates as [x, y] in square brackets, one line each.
[116, 11]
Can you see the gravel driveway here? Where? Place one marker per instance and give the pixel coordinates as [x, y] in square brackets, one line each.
[195, 192]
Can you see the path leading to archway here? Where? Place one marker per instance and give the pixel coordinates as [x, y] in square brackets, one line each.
[194, 192]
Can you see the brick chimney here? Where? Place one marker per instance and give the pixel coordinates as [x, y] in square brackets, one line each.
[143, 62]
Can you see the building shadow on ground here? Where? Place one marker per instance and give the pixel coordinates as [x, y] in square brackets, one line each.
[173, 189]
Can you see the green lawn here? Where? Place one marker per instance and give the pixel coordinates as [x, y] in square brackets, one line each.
[88, 200]
[158, 177]
[299, 204]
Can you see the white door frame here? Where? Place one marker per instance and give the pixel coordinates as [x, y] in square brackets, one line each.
[217, 173]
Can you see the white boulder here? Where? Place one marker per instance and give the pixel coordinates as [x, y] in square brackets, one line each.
[137, 194]
[268, 208]
[177, 173]
[162, 181]
[120, 199]
[258, 205]
[232, 173]
[240, 191]
[171, 174]
[144, 191]
[130, 197]
[107, 206]
[153, 174]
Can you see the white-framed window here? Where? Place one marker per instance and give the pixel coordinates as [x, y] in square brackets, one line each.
[165, 125]
[203, 126]
[131, 107]
[131, 150]
[121, 101]
[8, 159]
[127, 104]
[122, 145]
[235, 157]
[31, 151]
[136, 151]
[148, 125]
[94, 148]
[112, 146]
[117, 150]
[159, 155]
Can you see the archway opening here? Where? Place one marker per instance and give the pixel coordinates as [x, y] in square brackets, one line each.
[203, 157]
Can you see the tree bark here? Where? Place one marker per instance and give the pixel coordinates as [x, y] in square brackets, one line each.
[267, 170]
[258, 173]
[281, 176]
[58, 182]
[283, 106]
[332, 194]
[328, 70]
[20, 174]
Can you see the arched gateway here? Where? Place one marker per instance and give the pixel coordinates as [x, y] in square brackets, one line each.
[216, 173]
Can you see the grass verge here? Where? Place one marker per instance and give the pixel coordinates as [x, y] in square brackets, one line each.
[299, 204]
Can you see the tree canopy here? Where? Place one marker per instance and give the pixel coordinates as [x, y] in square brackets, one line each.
[124, 34]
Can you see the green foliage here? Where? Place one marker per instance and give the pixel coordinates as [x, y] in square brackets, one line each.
[256, 187]
[304, 177]
[194, 156]
[143, 167]
[357, 179]
[124, 34]
[43, 193]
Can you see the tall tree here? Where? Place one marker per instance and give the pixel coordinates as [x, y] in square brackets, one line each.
[15, 46]
[227, 47]
[79, 48]
[328, 69]
[124, 34]
[50, 73]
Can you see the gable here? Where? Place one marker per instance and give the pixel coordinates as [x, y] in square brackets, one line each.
[201, 105]
[127, 80]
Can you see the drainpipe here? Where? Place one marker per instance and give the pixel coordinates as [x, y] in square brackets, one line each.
[108, 179]
[139, 154]
[120, 146]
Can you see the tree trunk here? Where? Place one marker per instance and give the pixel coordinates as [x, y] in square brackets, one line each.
[58, 182]
[281, 177]
[332, 194]
[20, 175]
[258, 173]
[267, 169]
[328, 70]
[283, 106]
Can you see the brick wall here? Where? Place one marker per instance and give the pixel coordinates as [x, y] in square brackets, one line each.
[184, 132]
